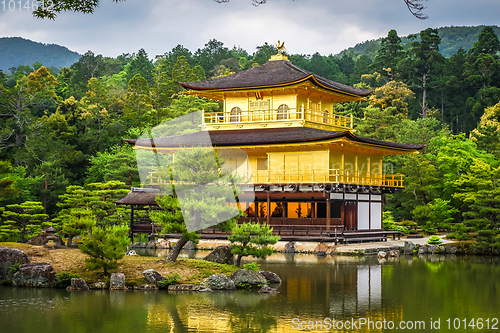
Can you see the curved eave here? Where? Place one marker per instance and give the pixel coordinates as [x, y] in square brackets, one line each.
[310, 77]
[358, 141]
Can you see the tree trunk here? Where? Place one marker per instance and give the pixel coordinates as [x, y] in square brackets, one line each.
[238, 260]
[70, 241]
[172, 256]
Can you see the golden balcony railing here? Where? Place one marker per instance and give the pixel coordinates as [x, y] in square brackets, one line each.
[336, 176]
[278, 115]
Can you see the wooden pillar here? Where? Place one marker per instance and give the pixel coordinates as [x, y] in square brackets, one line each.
[268, 209]
[285, 211]
[131, 235]
[328, 204]
[313, 208]
[257, 211]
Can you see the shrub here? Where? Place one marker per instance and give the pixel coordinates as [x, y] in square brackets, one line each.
[169, 280]
[253, 266]
[434, 240]
[14, 268]
[63, 280]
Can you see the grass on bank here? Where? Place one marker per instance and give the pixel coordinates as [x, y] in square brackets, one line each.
[73, 261]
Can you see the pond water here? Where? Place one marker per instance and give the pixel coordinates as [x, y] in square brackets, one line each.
[411, 291]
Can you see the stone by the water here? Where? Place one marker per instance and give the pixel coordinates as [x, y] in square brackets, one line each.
[289, 247]
[146, 287]
[271, 277]
[99, 285]
[78, 285]
[184, 287]
[321, 249]
[268, 290]
[248, 277]
[36, 275]
[218, 282]
[131, 253]
[189, 246]
[9, 257]
[408, 248]
[163, 244]
[153, 276]
[117, 282]
[382, 254]
[221, 255]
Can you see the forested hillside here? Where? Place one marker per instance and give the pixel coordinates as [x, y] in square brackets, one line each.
[452, 39]
[15, 51]
[61, 136]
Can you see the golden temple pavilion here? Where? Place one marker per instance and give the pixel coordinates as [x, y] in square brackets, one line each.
[311, 174]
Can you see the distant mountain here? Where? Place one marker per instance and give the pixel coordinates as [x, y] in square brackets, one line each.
[452, 38]
[15, 51]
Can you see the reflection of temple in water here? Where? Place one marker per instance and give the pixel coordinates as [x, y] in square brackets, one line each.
[362, 293]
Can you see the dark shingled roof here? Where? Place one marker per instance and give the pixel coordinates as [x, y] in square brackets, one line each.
[253, 137]
[272, 73]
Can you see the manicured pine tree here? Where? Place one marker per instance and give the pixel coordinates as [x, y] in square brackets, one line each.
[105, 247]
[204, 191]
[251, 239]
[26, 218]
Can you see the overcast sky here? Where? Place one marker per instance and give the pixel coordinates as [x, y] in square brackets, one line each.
[306, 26]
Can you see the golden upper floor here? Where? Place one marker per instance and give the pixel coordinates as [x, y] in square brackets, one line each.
[276, 94]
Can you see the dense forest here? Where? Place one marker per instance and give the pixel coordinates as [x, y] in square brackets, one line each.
[61, 134]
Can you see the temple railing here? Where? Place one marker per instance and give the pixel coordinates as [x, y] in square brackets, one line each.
[312, 177]
[277, 116]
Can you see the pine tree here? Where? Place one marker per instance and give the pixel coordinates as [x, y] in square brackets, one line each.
[390, 54]
[76, 223]
[201, 194]
[105, 247]
[251, 239]
[26, 218]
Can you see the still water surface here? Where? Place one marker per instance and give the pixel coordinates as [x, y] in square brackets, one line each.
[428, 288]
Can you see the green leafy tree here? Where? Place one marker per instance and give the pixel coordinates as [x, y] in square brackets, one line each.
[27, 218]
[484, 216]
[6, 182]
[138, 104]
[118, 163]
[141, 65]
[252, 239]
[424, 64]
[390, 54]
[105, 247]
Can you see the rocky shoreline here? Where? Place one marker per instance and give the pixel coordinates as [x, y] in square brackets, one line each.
[17, 270]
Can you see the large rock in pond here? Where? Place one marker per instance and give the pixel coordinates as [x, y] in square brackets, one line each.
[78, 285]
[289, 247]
[163, 244]
[38, 275]
[245, 278]
[151, 245]
[221, 255]
[268, 290]
[218, 282]
[451, 249]
[152, 276]
[189, 246]
[117, 282]
[9, 257]
[321, 249]
[46, 236]
[408, 248]
[271, 277]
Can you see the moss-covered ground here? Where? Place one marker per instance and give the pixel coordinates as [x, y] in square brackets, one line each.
[73, 261]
